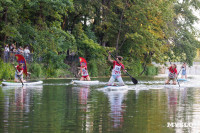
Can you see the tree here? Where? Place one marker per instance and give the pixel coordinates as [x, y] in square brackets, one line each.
[185, 42]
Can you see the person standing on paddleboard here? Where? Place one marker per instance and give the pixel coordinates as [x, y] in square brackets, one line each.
[84, 72]
[172, 74]
[19, 73]
[183, 74]
[116, 71]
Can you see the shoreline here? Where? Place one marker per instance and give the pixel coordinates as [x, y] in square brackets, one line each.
[137, 77]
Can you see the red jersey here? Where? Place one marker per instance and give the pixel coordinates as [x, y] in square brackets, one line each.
[19, 70]
[117, 68]
[171, 70]
[115, 63]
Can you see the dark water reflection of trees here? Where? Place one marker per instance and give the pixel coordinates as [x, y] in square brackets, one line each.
[76, 109]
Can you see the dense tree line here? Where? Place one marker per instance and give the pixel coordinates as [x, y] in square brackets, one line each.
[140, 30]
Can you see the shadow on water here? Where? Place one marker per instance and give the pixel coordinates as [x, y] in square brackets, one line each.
[59, 106]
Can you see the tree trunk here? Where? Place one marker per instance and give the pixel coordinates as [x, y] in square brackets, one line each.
[118, 35]
[64, 22]
[6, 21]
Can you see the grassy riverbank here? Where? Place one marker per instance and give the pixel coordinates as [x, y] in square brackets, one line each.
[40, 71]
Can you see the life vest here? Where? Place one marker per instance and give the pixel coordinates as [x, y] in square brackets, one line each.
[84, 71]
[172, 73]
[116, 68]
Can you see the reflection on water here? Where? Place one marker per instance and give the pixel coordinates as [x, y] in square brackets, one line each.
[117, 107]
[16, 106]
[83, 93]
[172, 102]
[61, 107]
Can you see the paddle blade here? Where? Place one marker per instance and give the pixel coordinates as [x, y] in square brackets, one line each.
[134, 80]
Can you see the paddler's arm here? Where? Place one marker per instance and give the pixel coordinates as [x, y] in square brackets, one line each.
[124, 71]
[79, 72]
[16, 70]
[169, 67]
[109, 57]
[176, 74]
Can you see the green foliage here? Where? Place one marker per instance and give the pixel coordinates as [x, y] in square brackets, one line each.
[52, 59]
[50, 71]
[104, 69]
[62, 73]
[185, 42]
[7, 71]
[38, 23]
[151, 71]
[90, 34]
[133, 66]
[141, 31]
[42, 71]
[93, 69]
[36, 70]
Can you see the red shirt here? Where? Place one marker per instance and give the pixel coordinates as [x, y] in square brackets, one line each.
[115, 63]
[19, 70]
[173, 70]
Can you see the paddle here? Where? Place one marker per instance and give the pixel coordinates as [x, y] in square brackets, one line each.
[177, 74]
[133, 79]
[18, 76]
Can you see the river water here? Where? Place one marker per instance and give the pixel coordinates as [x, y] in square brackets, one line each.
[61, 107]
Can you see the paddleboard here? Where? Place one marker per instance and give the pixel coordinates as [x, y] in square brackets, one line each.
[116, 87]
[5, 83]
[182, 79]
[38, 87]
[85, 82]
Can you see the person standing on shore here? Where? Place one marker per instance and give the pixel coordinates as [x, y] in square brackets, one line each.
[26, 53]
[6, 53]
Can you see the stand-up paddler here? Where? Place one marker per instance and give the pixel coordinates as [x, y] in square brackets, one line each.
[172, 74]
[116, 71]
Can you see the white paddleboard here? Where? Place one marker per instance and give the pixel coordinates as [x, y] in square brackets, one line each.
[5, 83]
[116, 87]
[85, 82]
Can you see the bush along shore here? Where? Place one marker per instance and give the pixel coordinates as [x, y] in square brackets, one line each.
[96, 69]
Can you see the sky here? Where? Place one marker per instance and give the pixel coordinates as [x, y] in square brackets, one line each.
[197, 25]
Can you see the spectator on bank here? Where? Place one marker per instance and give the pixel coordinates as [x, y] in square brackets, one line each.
[20, 50]
[11, 47]
[26, 53]
[6, 53]
[13, 51]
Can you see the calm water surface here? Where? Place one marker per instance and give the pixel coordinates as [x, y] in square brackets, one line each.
[60, 107]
